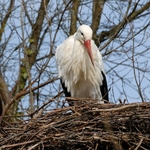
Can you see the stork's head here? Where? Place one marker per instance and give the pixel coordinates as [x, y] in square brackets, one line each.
[84, 35]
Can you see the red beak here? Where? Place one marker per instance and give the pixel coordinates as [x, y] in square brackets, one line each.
[87, 44]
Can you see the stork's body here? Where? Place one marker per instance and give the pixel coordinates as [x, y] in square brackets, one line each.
[80, 66]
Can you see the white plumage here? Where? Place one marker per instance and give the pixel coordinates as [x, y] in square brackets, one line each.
[80, 66]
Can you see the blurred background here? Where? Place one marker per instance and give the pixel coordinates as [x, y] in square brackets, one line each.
[30, 31]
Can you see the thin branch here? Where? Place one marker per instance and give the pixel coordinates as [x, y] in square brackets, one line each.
[24, 92]
[134, 105]
[4, 21]
[139, 143]
[16, 145]
[112, 33]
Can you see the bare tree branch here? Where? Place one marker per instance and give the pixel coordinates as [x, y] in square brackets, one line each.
[4, 93]
[74, 13]
[104, 35]
[96, 16]
[4, 21]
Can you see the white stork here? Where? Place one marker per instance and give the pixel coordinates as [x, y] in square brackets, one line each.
[80, 66]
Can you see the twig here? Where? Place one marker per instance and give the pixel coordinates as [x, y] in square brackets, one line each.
[34, 146]
[139, 143]
[121, 108]
[46, 103]
[15, 145]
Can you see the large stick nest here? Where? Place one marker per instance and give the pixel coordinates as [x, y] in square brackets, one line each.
[88, 126]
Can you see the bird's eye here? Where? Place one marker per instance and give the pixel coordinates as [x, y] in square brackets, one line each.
[82, 34]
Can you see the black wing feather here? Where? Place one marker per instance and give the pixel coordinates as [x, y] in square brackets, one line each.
[104, 88]
[67, 94]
